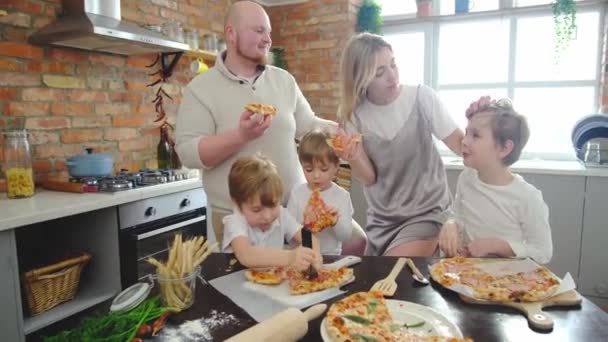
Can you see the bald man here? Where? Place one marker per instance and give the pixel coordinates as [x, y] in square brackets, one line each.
[213, 129]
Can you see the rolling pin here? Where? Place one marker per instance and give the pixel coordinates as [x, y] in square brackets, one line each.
[287, 326]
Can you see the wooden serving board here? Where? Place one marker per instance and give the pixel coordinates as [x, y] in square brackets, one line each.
[537, 318]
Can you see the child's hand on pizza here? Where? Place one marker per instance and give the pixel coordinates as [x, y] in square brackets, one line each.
[318, 262]
[253, 126]
[301, 257]
[449, 238]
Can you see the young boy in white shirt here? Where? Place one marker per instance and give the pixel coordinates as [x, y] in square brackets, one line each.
[257, 229]
[320, 164]
[496, 212]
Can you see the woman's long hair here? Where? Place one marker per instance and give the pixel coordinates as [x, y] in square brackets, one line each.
[357, 69]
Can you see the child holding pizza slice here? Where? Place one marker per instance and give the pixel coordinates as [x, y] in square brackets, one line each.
[257, 229]
[496, 212]
[319, 203]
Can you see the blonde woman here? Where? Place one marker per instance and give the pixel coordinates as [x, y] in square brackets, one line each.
[397, 162]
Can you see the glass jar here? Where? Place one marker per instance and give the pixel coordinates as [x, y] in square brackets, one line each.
[191, 37]
[18, 165]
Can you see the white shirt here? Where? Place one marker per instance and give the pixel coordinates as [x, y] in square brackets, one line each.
[284, 228]
[335, 196]
[515, 213]
[387, 120]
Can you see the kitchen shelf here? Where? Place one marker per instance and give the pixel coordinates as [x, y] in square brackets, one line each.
[202, 53]
[84, 299]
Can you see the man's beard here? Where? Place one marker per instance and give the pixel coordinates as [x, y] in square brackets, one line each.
[257, 60]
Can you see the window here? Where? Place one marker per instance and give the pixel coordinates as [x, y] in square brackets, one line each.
[508, 53]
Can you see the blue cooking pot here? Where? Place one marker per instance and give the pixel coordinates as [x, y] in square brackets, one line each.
[90, 164]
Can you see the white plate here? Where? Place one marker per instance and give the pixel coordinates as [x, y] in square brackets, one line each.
[411, 313]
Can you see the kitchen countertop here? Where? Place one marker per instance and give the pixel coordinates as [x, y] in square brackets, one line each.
[48, 205]
[545, 167]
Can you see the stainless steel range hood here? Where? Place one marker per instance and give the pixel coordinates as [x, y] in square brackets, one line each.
[96, 25]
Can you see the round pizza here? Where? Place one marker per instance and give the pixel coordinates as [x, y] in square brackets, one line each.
[266, 276]
[298, 283]
[261, 109]
[530, 286]
[365, 317]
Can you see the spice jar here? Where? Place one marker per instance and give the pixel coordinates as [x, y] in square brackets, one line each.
[191, 37]
[18, 165]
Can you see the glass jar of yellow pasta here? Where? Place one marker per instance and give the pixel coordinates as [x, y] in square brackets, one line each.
[18, 165]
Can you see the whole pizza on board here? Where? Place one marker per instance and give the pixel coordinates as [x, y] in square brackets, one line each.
[365, 317]
[531, 286]
[298, 283]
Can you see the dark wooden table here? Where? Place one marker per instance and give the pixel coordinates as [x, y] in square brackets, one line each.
[586, 322]
[482, 323]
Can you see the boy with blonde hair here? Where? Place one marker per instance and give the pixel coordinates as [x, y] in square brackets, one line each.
[320, 164]
[497, 213]
[259, 226]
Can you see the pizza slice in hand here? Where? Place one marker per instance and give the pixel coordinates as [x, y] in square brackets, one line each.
[342, 140]
[261, 109]
[318, 215]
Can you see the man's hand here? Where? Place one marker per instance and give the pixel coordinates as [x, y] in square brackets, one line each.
[253, 126]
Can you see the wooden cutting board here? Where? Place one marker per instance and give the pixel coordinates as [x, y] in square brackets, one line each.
[537, 318]
[63, 186]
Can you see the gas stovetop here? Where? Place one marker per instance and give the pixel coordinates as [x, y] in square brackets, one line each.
[125, 180]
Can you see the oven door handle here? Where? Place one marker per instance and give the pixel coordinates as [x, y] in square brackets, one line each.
[170, 228]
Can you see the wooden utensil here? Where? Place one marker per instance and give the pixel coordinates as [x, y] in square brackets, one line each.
[287, 326]
[537, 318]
[388, 286]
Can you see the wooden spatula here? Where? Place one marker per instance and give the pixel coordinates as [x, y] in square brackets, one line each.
[388, 286]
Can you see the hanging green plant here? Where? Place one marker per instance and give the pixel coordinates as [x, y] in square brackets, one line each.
[369, 18]
[564, 19]
[278, 57]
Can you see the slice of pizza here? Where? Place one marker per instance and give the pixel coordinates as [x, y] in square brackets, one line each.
[364, 316]
[325, 216]
[341, 140]
[266, 276]
[327, 278]
[261, 109]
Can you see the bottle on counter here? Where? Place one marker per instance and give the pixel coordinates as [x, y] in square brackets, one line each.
[164, 150]
[18, 165]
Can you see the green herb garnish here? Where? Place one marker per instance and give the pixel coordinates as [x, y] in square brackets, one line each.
[358, 319]
[414, 325]
[115, 326]
[372, 305]
[394, 327]
[363, 338]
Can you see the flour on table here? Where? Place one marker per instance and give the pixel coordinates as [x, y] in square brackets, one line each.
[197, 330]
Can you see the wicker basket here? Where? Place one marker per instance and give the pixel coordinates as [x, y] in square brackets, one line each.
[343, 177]
[49, 286]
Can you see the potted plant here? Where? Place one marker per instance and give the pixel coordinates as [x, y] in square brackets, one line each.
[564, 19]
[369, 18]
[278, 57]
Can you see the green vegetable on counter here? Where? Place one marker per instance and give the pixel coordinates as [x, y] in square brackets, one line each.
[114, 326]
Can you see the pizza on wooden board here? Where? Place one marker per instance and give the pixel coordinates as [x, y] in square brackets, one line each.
[530, 286]
[328, 277]
[365, 317]
[261, 109]
[325, 216]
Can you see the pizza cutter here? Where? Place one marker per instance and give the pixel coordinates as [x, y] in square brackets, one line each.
[311, 273]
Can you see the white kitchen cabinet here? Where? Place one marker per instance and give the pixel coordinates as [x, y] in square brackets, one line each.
[564, 196]
[594, 256]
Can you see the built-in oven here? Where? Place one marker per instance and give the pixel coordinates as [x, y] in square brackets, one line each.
[148, 226]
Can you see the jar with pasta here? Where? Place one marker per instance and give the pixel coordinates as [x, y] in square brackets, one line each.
[18, 165]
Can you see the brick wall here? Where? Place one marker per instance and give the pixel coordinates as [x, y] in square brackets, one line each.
[70, 98]
[313, 34]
